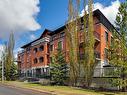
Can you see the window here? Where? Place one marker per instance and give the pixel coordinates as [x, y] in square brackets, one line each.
[27, 59]
[106, 36]
[53, 37]
[51, 59]
[51, 47]
[35, 61]
[112, 41]
[41, 59]
[106, 62]
[60, 45]
[106, 53]
[106, 57]
[62, 34]
[28, 50]
[35, 50]
[41, 48]
[82, 27]
[82, 56]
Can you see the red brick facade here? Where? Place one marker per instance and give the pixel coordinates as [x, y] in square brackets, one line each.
[35, 57]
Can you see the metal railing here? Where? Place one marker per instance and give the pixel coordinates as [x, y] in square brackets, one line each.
[107, 72]
[97, 35]
[34, 75]
[97, 54]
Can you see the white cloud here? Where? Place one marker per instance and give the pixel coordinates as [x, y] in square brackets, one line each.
[32, 37]
[16, 52]
[109, 11]
[18, 16]
[2, 48]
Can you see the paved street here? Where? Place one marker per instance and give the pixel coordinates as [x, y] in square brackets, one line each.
[4, 90]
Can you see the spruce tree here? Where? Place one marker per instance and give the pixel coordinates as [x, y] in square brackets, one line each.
[118, 50]
[59, 68]
[13, 72]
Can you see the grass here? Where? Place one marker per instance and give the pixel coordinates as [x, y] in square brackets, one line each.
[61, 90]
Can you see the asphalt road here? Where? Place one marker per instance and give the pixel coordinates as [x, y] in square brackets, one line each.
[5, 90]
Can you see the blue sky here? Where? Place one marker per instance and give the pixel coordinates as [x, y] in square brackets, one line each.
[53, 14]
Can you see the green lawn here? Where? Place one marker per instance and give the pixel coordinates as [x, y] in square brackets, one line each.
[61, 90]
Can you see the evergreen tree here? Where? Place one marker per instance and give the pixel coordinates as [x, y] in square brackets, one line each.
[13, 72]
[59, 68]
[118, 50]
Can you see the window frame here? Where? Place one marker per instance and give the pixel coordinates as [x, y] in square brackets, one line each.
[41, 48]
[41, 59]
[61, 44]
[106, 36]
[35, 50]
[35, 60]
[51, 49]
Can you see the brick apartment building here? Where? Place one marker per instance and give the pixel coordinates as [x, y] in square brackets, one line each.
[35, 57]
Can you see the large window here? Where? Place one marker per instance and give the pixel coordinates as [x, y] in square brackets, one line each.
[112, 41]
[53, 37]
[106, 53]
[28, 50]
[41, 48]
[106, 56]
[62, 34]
[35, 50]
[51, 59]
[82, 56]
[51, 47]
[41, 59]
[60, 45]
[35, 61]
[106, 36]
[82, 27]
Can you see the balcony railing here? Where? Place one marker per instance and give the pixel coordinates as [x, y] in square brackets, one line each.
[21, 51]
[97, 35]
[108, 72]
[96, 54]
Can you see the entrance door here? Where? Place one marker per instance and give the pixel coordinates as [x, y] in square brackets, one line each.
[38, 72]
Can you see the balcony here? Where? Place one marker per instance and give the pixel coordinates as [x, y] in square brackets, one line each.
[106, 72]
[42, 40]
[21, 51]
[97, 36]
[97, 55]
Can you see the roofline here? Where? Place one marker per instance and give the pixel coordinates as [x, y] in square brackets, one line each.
[24, 46]
[106, 19]
[63, 27]
[95, 11]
